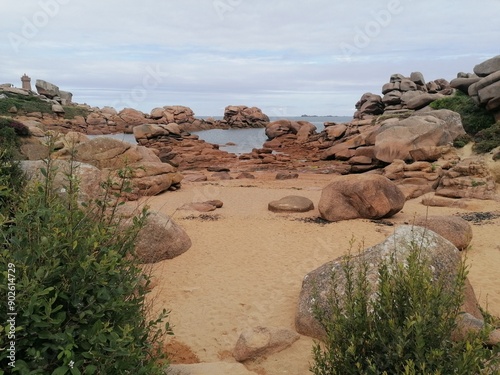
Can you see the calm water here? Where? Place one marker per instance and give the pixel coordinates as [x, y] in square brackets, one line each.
[244, 139]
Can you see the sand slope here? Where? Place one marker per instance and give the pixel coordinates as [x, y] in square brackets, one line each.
[246, 265]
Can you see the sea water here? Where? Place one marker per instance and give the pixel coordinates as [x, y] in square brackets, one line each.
[247, 139]
[243, 140]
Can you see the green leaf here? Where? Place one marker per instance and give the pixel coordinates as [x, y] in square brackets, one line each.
[61, 370]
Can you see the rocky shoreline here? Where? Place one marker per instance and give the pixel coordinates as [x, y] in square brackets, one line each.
[355, 179]
[397, 136]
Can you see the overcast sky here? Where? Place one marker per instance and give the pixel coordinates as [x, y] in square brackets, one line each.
[287, 57]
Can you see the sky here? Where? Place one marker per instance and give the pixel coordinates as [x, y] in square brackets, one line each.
[287, 57]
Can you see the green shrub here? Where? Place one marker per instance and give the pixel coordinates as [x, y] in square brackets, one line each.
[487, 139]
[19, 128]
[474, 117]
[24, 104]
[404, 329]
[11, 176]
[80, 292]
[462, 140]
[70, 112]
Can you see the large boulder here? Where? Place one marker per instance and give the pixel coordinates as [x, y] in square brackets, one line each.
[149, 131]
[368, 196]
[176, 114]
[420, 101]
[87, 176]
[369, 105]
[146, 178]
[396, 139]
[160, 238]
[444, 260]
[104, 152]
[487, 67]
[127, 118]
[245, 117]
[46, 88]
[66, 97]
[302, 129]
[278, 128]
[455, 229]
[262, 341]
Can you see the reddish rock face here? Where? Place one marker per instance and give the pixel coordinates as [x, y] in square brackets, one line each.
[360, 196]
[245, 117]
[470, 178]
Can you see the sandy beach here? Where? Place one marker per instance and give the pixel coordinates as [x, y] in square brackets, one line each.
[246, 264]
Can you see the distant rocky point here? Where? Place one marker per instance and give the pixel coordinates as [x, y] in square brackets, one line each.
[65, 115]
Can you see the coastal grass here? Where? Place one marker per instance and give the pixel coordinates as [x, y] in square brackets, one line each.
[70, 112]
[80, 290]
[474, 117]
[25, 104]
[404, 328]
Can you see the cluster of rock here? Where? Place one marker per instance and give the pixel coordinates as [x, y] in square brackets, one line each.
[483, 86]
[47, 92]
[402, 93]
[179, 148]
[100, 162]
[107, 120]
[104, 159]
[244, 117]
[414, 150]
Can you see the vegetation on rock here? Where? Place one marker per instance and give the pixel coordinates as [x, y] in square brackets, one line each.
[80, 292]
[474, 117]
[477, 121]
[25, 104]
[404, 328]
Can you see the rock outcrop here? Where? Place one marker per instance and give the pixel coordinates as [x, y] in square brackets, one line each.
[469, 178]
[401, 94]
[486, 91]
[180, 148]
[245, 117]
[368, 196]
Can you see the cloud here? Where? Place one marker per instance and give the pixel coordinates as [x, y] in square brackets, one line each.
[291, 55]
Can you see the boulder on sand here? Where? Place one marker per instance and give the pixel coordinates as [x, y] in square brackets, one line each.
[367, 196]
[291, 203]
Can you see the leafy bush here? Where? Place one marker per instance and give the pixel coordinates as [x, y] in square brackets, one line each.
[474, 117]
[11, 176]
[20, 129]
[404, 329]
[487, 139]
[462, 140]
[80, 293]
